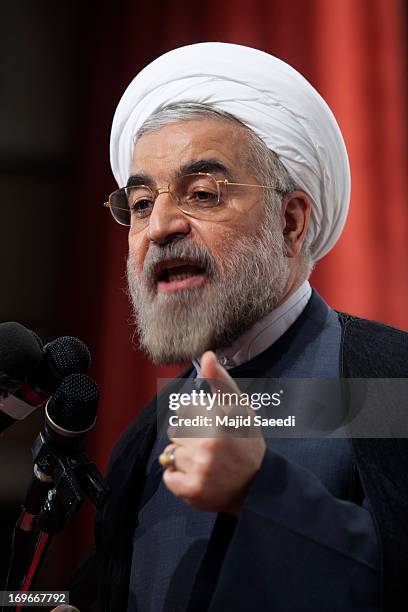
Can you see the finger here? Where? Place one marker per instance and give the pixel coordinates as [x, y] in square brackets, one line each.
[178, 483]
[225, 387]
[217, 376]
[221, 381]
[182, 457]
[183, 442]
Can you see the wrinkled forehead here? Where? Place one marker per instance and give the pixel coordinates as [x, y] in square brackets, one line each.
[170, 148]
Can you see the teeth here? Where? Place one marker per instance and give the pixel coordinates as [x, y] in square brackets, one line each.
[179, 276]
[177, 273]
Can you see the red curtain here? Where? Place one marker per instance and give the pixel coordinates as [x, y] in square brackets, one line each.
[353, 53]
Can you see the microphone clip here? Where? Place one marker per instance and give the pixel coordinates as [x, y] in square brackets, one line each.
[74, 476]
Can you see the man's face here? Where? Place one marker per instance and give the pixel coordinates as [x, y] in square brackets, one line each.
[196, 284]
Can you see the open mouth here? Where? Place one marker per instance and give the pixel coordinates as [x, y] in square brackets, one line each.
[176, 275]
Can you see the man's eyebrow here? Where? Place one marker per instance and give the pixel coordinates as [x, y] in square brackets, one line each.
[198, 165]
[139, 179]
[206, 165]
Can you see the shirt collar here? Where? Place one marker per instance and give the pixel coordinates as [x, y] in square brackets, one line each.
[264, 332]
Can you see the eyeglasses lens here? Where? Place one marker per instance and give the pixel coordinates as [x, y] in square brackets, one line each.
[196, 194]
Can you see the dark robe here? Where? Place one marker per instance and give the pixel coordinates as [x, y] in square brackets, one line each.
[274, 557]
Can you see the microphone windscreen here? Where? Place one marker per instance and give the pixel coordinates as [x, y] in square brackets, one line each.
[63, 356]
[20, 355]
[74, 404]
[67, 355]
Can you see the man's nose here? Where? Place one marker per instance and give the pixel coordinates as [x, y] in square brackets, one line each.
[167, 221]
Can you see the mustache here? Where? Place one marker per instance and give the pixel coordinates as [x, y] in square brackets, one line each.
[192, 252]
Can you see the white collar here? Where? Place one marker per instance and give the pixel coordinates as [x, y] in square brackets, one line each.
[264, 332]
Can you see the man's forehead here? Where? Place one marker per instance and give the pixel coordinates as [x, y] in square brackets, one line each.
[179, 144]
[208, 165]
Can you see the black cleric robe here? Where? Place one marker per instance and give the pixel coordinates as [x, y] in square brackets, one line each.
[227, 579]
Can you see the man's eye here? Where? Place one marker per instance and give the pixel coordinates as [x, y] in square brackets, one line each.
[202, 196]
[141, 207]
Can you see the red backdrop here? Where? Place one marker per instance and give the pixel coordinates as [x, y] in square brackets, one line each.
[354, 54]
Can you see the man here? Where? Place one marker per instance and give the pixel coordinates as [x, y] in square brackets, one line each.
[237, 182]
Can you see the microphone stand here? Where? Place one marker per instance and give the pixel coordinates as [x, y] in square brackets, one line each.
[69, 479]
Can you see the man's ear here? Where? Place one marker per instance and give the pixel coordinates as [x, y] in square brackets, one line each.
[296, 209]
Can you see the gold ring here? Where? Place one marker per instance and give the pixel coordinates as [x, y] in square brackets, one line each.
[167, 459]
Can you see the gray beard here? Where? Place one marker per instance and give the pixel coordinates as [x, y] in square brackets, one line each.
[239, 290]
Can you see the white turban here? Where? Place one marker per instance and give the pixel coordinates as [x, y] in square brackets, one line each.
[268, 96]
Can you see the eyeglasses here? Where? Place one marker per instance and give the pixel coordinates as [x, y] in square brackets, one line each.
[199, 195]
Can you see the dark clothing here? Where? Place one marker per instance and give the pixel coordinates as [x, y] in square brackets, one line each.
[273, 557]
[172, 537]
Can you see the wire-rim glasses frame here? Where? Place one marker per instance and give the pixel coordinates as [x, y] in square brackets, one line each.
[123, 214]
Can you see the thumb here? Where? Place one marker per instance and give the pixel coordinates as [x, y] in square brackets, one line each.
[220, 381]
[216, 376]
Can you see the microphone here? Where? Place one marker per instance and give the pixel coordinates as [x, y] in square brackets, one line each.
[20, 355]
[62, 473]
[69, 414]
[59, 359]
